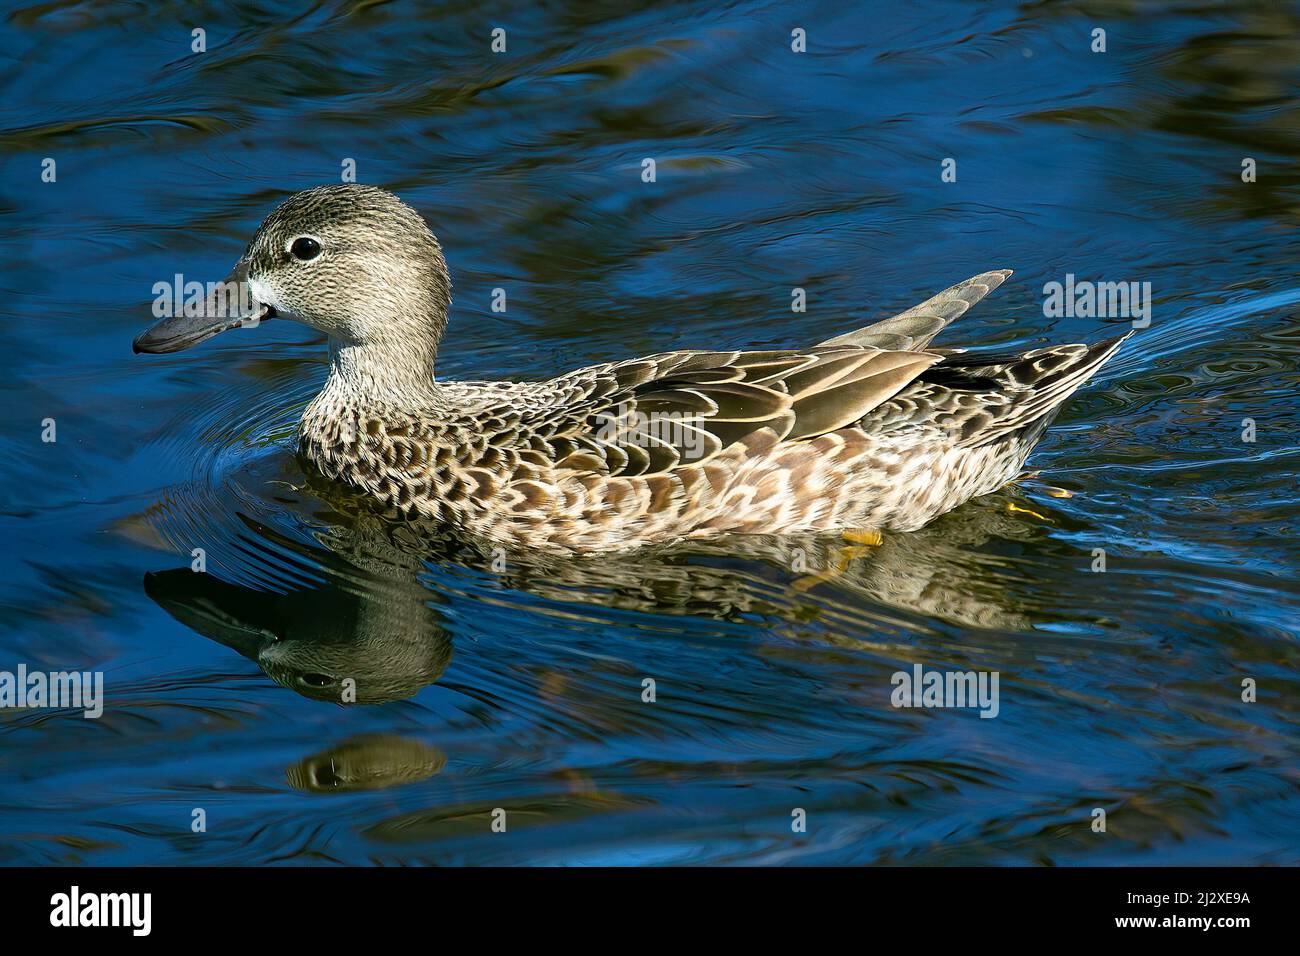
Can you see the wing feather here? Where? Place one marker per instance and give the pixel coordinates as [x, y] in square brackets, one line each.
[681, 408]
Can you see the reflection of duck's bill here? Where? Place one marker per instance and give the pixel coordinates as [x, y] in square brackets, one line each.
[227, 613]
[221, 312]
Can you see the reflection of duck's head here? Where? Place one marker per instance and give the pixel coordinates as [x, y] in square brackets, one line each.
[369, 762]
[335, 643]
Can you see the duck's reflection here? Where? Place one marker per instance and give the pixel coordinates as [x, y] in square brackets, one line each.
[359, 637]
[367, 762]
[940, 572]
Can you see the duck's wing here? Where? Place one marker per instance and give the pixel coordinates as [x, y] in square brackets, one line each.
[655, 414]
[915, 328]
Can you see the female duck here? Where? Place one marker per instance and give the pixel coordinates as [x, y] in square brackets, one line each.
[870, 429]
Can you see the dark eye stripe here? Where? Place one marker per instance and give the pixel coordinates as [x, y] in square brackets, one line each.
[304, 248]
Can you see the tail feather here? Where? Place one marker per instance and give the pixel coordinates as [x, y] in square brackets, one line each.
[914, 329]
[1036, 383]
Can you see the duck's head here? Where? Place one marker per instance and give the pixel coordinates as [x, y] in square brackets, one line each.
[353, 261]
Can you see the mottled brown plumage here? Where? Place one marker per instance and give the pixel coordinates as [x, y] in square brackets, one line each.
[872, 428]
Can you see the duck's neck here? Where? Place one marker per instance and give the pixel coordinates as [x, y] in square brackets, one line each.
[377, 376]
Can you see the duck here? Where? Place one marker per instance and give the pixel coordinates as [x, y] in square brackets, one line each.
[868, 431]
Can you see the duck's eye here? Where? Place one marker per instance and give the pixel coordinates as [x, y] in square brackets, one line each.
[304, 248]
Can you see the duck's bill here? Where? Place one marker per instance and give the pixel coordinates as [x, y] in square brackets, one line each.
[228, 305]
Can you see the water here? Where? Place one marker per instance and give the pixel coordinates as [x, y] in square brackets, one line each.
[522, 690]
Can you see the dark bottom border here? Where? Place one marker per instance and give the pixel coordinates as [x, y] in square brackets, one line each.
[332, 906]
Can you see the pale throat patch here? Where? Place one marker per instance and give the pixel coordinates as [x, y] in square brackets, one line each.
[261, 292]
